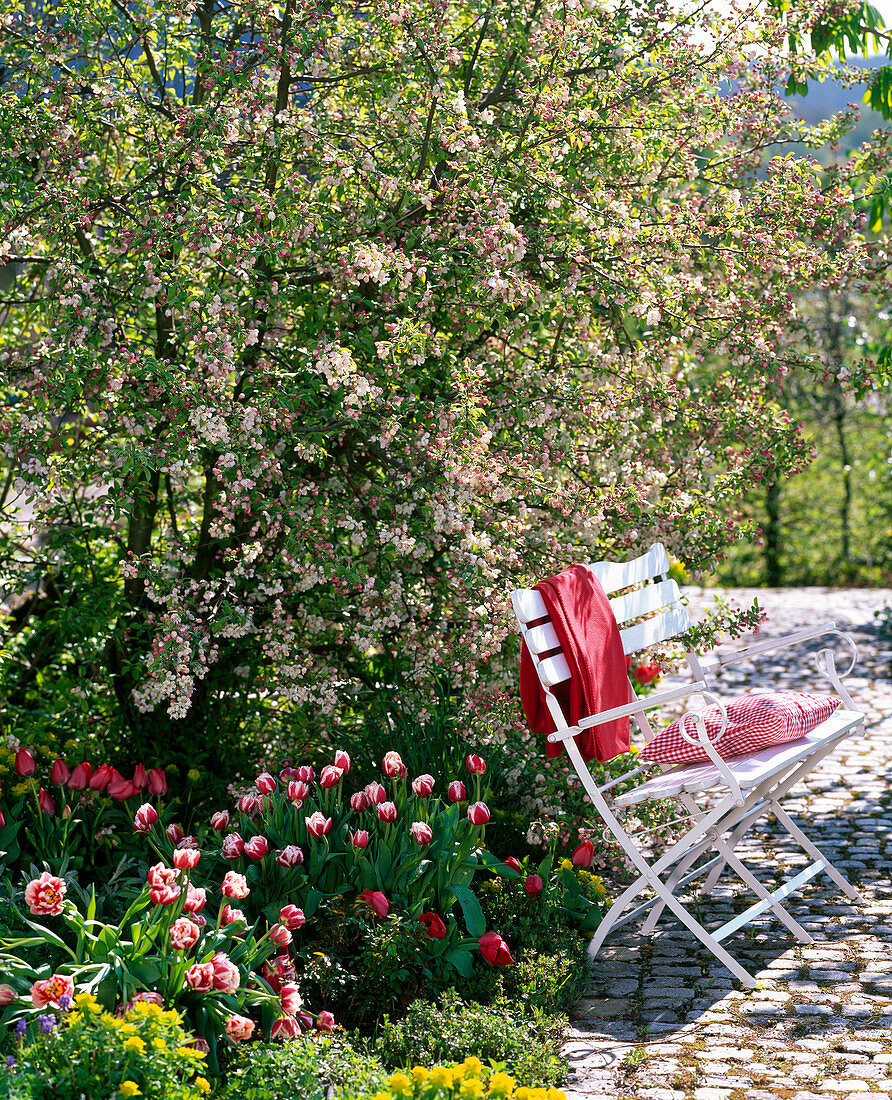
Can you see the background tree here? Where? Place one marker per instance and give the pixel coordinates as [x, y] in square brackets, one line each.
[333, 323]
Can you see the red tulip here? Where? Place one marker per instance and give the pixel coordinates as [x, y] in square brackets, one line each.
[279, 934]
[305, 774]
[512, 863]
[25, 764]
[157, 781]
[101, 778]
[478, 813]
[393, 765]
[359, 839]
[359, 802]
[646, 674]
[286, 1027]
[533, 885]
[184, 859]
[80, 777]
[494, 949]
[330, 776]
[292, 917]
[164, 894]
[297, 790]
[228, 914]
[59, 773]
[233, 846]
[456, 791]
[196, 899]
[387, 812]
[318, 824]
[174, 833]
[220, 820]
[257, 847]
[422, 785]
[145, 818]
[376, 902]
[249, 804]
[46, 804]
[234, 885]
[476, 765]
[584, 854]
[434, 926]
[375, 793]
[121, 789]
[325, 1021]
[290, 856]
[290, 998]
[421, 832]
[265, 783]
[342, 761]
[140, 777]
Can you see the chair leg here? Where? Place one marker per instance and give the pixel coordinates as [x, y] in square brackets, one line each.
[802, 840]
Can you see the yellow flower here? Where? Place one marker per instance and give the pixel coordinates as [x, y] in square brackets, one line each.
[135, 1043]
[193, 775]
[21, 788]
[442, 1077]
[382, 1096]
[419, 1074]
[472, 1067]
[202, 1085]
[501, 1085]
[400, 1085]
[566, 863]
[556, 1094]
[190, 1052]
[523, 1093]
[128, 1088]
[539, 1094]
[634, 750]
[158, 1043]
[471, 1089]
[87, 1002]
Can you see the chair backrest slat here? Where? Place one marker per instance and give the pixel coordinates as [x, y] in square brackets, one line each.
[615, 575]
[542, 638]
[528, 605]
[658, 629]
[554, 670]
[644, 601]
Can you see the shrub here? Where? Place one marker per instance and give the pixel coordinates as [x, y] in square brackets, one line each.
[450, 1030]
[308, 1067]
[89, 1054]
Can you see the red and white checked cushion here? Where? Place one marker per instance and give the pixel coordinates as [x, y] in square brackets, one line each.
[755, 721]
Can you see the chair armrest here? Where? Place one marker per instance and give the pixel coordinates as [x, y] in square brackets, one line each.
[646, 703]
[714, 662]
[702, 740]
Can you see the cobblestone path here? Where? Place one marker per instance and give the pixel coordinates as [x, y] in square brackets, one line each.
[664, 1021]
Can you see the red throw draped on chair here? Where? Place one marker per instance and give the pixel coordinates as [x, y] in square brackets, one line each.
[590, 641]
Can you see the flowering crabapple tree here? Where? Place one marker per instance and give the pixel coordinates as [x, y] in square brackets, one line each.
[325, 325]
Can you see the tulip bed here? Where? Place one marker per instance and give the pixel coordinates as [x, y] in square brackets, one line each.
[314, 913]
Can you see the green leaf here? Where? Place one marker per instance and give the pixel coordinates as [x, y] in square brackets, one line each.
[463, 961]
[475, 922]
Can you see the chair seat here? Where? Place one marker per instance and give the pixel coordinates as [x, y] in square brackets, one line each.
[749, 771]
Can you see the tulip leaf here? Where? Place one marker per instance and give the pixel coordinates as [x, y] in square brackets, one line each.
[462, 961]
[470, 907]
[312, 902]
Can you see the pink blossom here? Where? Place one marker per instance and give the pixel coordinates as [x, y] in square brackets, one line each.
[228, 915]
[359, 839]
[290, 998]
[196, 899]
[285, 1027]
[292, 917]
[200, 977]
[238, 1028]
[183, 934]
[49, 991]
[280, 935]
[234, 885]
[325, 1021]
[186, 858]
[226, 974]
[44, 896]
[387, 811]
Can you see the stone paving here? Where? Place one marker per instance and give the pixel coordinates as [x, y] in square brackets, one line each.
[664, 1021]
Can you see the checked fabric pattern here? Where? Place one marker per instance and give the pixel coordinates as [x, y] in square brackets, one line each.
[755, 721]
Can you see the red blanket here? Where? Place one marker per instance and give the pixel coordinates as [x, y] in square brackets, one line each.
[589, 637]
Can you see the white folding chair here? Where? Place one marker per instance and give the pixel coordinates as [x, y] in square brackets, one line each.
[731, 794]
